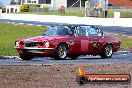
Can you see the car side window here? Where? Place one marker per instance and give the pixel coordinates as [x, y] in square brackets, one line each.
[99, 31]
[81, 31]
[87, 31]
[93, 31]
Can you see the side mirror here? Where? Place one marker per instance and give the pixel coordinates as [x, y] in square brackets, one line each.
[75, 33]
[102, 33]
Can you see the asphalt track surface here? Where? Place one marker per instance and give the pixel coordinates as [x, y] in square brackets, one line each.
[118, 57]
[113, 29]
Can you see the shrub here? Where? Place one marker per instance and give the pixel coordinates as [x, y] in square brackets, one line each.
[3, 9]
[44, 6]
[25, 7]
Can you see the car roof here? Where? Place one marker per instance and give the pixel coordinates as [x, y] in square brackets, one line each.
[71, 25]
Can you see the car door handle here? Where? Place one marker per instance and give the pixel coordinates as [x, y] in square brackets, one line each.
[88, 37]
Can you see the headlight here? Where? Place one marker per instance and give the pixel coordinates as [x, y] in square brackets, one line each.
[17, 44]
[47, 44]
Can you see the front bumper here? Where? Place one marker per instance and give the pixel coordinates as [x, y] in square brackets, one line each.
[34, 50]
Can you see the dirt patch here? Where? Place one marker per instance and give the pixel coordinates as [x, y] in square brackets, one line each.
[57, 76]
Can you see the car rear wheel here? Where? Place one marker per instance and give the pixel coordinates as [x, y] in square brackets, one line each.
[26, 57]
[61, 52]
[107, 51]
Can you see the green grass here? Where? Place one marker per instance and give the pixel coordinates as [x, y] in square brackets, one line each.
[68, 12]
[122, 14]
[55, 13]
[9, 33]
[126, 42]
[80, 13]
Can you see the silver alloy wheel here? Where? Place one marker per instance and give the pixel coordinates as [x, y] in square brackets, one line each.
[62, 52]
[109, 51]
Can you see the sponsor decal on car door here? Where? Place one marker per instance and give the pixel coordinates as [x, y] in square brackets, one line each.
[84, 45]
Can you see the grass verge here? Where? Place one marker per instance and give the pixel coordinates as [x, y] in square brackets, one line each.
[80, 13]
[55, 13]
[126, 42]
[9, 33]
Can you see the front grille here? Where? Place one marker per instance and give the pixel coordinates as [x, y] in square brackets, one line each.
[33, 44]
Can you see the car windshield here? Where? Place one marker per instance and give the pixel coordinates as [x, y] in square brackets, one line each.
[59, 31]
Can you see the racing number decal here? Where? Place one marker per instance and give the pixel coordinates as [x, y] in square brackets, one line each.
[96, 44]
[70, 41]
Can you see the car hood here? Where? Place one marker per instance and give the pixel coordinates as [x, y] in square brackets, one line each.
[42, 38]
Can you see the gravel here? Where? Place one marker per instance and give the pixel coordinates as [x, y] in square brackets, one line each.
[58, 76]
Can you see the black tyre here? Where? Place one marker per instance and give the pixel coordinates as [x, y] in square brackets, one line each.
[107, 51]
[26, 57]
[61, 52]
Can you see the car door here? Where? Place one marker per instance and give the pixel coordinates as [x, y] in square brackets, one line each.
[84, 42]
[74, 42]
[96, 40]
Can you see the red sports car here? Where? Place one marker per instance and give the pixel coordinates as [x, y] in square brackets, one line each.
[71, 41]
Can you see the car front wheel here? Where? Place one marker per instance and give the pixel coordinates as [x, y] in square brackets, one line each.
[107, 51]
[61, 52]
